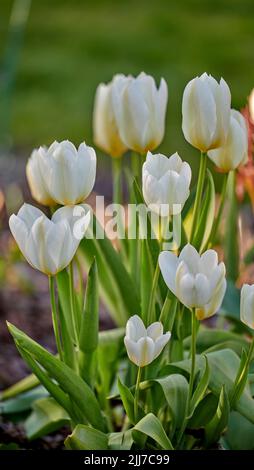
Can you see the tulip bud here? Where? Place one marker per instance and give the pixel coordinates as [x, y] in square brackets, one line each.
[106, 134]
[140, 110]
[48, 245]
[166, 182]
[68, 173]
[206, 112]
[197, 281]
[247, 305]
[144, 344]
[235, 150]
[36, 180]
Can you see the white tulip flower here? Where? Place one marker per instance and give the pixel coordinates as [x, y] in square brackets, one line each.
[48, 245]
[235, 150]
[198, 281]
[165, 182]
[36, 179]
[106, 134]
[140, 110]
[247, 305]
[206, 112]
[143, 345]
[68, 173]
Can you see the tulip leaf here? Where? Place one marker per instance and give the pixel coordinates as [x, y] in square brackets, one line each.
[86, 438]
[235, 440]
[127, 399]
[211, 337]
[70, 383]
[120, 440]
[151, 426]
[201, 388]
[23, 402]
[204, 412]
[231, 247]
[47, 417]
[206, 220]
[175, 389]
[147, 273]
[218, 423]
[117, 288]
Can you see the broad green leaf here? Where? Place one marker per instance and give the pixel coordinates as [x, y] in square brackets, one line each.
[175, 389]
[210, 337]
[201, 388]
[218, 423]
[120, 440]
[117, 287]
[23, 402]
[68, 380]
[240, 433]
[206, 219]
[47, 417]
[86, 438]
[127, 399]
[204, 412]
[24, 385]
[152, 427]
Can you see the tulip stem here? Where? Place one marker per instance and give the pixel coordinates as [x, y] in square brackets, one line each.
[197, 203]
[220, 210]
[150, 318]
[116, 173]
[54, 316]
[72, 304]
[136, 398]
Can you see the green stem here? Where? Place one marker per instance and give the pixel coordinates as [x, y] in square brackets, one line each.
[152, 296]
[72, 303]
[136, 397]
[220, 210]
[200, 185]
[117, 187]
[54, 316]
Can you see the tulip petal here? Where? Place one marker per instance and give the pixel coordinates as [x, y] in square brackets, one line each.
[146, 351]
[132, 350]
[191, 257]
[155, 330]
[160, 343]
[168, 263]
[135, 328]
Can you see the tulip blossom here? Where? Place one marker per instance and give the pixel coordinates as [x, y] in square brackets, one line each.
[48, 245]
[206, 112]
[140, 110]
[144, 344]
[247, 305]
[197, 281]
[106, 134]
[36, 179]
[68, 173]
[235, 150]
[166, 182]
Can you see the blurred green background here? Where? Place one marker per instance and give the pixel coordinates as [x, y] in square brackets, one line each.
[71, 46]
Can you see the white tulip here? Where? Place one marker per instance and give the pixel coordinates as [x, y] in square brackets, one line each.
[68, 173]
[143, 345]
[140, 110]
[197, 281]
[166, 182]
[106, 134]
[48, 245]
[235, 150]
[247, 305]
[251, 105]
[36, 180]
[206, 112]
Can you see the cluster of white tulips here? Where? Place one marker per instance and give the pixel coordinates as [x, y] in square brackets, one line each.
[154, 290]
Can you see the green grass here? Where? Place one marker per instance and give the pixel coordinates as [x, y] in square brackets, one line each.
[71, 46]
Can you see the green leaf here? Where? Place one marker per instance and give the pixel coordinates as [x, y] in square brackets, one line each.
[147, 273]
[120, 440]
[211, 337]
[231, 248]
[201, 388]
[47, 417]
[204, 412]
[23, 402]
[127, 399]
[24, 385]
[152, 427]
[117, 287]
[206, 219]
[240, 433]
[175, 389]
[67, 379]
[86, 438]
[218, 423]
